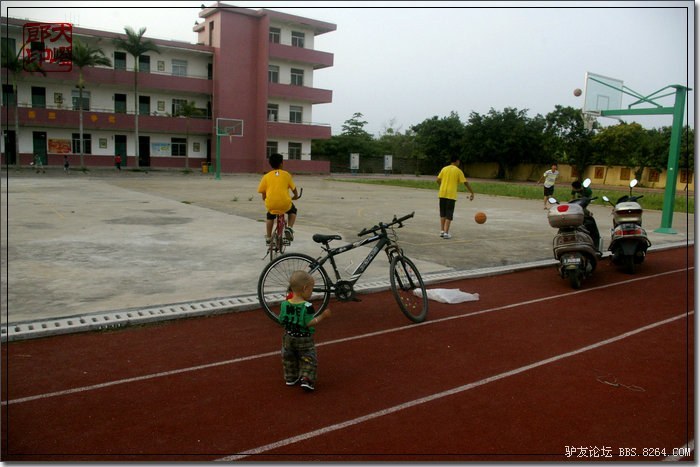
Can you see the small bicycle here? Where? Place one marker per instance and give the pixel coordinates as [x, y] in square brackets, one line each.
[278, 239]
[406, 282]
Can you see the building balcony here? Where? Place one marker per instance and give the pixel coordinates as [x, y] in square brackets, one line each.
[32, 117]
[299, 93]
[315, 58]
[125, 79]
[298, 130]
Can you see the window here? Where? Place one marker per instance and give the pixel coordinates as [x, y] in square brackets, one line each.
[297, 77]
[295, 114]
[624, 173]
[120, 103]
[38, 97]
[144, 105]
[9, 47]
[75, 94]
[686, 176]
[177, 106]
[295, 151]
[273, 112]
[8, 95]
[654, 175]
[211, 33]
[87, 139]
[144, 64]
[120, 60]
[37, 52]
[275, 34]
[179, 146]
[297, 39]
[273, 74]
[179, 67]
[271, 148]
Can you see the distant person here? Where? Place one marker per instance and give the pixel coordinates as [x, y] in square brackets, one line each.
[66, 164]
[38, 164]
[118, 162]
[299, 359]
[274, 188]
[549, 177]
[580, 191]
[449, 179]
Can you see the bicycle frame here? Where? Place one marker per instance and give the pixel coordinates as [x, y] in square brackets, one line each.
[383, 243]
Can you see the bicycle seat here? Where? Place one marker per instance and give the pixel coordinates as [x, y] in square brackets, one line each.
[321, 238]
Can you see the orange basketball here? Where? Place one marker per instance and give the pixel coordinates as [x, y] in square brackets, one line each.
[480, 217]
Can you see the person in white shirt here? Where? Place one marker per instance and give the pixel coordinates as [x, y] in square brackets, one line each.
[549, 177]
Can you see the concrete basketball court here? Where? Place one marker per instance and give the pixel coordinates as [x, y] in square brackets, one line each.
[82, 245]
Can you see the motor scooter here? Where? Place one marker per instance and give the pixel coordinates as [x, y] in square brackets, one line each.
[629, 241]
[577, 244]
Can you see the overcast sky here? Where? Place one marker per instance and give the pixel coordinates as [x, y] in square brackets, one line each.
[401, 65]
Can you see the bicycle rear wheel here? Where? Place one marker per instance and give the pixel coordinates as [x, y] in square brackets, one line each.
[405, 279]
[273, 284]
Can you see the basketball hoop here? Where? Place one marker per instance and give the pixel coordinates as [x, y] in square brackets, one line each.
[589, 119]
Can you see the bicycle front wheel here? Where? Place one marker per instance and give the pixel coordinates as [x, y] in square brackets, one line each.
[273, 284]
[405, 280]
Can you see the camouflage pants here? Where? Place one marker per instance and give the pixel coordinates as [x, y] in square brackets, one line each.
[299, 357]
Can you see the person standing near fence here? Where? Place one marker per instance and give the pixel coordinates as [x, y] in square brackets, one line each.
[549, 177]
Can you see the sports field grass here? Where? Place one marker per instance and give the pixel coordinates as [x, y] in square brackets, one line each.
[653, 200]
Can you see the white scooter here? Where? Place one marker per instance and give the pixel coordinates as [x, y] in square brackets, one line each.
[577, 243]
[629, 241]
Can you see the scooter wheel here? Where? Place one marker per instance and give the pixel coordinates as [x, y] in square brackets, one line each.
[575, 278]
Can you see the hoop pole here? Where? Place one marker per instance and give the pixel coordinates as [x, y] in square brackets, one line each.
[218, 157]
[673, 158]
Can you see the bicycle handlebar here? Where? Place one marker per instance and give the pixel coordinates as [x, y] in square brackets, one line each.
[301, 190]
[382, 225]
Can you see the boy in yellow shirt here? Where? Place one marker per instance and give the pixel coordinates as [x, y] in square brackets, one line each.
[274, 188]
[449, 178]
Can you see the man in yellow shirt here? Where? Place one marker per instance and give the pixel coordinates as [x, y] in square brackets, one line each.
[449, 178]
[274, 187]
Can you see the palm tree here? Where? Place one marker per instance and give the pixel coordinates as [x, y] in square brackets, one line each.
[136, 45]
[15, 65]
[86, 55]
[188, 110]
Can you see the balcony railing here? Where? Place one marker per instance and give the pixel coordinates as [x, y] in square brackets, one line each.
[104, 120]
[300, 93]
[315, 58]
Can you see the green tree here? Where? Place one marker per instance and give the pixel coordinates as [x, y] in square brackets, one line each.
[135, 45]
[626, 144]
[16, 64]
[437, 139]
[85, 55]
[567, 139]
[507, 138]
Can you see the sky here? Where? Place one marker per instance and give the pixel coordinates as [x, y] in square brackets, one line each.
[400, 63]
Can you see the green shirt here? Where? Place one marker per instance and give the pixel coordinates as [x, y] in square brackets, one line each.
[295, 317]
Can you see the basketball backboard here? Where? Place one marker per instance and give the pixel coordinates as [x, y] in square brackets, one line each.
[231, 127]
[601, 93]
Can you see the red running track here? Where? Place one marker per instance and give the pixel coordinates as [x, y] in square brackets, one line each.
[533, 371]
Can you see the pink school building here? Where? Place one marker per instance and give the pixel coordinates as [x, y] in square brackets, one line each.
[251, 71]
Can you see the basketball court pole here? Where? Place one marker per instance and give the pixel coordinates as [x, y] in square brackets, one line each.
[673, 152]
[597, 97]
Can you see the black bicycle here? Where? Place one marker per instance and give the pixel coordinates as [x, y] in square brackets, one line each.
[406, 282]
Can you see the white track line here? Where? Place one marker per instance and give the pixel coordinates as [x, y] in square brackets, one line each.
[450, 392]
[347, 339]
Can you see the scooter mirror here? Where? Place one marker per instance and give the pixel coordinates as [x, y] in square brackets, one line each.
[633, 183]
[553, 201]
[586, 183]
[606, 199]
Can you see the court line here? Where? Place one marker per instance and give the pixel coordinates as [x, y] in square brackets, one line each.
[443, 394]
[332, 342]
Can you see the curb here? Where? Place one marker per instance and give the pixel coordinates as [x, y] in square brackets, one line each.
[117, 319]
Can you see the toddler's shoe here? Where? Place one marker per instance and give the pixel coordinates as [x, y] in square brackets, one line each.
[307, 384]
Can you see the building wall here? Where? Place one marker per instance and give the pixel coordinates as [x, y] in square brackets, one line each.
[238, 48]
